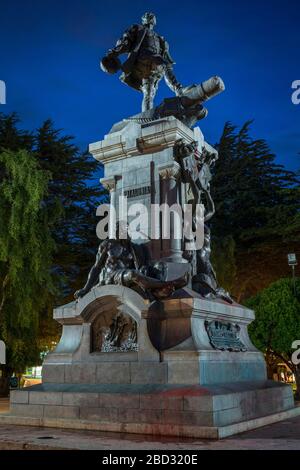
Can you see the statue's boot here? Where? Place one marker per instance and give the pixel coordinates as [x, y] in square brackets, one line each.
[206, 286]
[180, 282]
[169, 287]
[224, 295]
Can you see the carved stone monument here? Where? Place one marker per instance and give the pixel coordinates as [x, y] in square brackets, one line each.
[152, 344]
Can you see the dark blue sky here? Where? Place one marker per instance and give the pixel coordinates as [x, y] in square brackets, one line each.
[50, 53]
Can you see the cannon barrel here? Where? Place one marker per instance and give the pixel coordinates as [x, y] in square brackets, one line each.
[205, 91]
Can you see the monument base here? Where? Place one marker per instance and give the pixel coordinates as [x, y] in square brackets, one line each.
[212, 412]
[181, 367]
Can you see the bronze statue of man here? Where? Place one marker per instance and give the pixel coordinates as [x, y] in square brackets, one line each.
[118, 262]
[148, 60]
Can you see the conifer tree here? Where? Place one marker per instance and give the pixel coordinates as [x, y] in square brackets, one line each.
[257, 204]
[12, 138]
[74, 193]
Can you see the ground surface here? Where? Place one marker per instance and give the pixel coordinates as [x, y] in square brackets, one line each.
[279, 436]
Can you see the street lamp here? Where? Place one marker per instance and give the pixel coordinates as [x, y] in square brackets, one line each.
[292, 260]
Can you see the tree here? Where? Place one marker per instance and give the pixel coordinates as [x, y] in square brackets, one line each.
[69, 197]
[277, 323]
[257, 204]
[12, 138]
[224, 262]
[26, 282]
[72, 198]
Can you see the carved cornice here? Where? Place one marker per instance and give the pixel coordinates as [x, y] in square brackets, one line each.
[170, 170]
[110, 183]
[137, 139]
[163, 134]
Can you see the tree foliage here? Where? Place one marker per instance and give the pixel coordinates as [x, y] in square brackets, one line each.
[11, 137]
[224, 262]
[73, 196]
[277, 323]
[257, 204]
[48, 201]
[26, 247]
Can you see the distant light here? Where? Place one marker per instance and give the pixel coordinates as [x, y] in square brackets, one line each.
[292, 259]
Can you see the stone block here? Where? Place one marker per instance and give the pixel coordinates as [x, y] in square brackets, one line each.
[143, 175]
[137, 162]
[113, 373]
[212, 372]
[288, 403]
[287, 391]
[80, 373]
[226, 417]
[274, 393]
[130, 179]
[148, 373]
[140, 416]
[228, 401]
[19, 396]
[161, 402]
[32, 411]
[45, 398]
[53, 373]
[190, 418]
[270, 401]
[99, 414]
[80, 399]
[119, 400]
[198, 403]
[114, 168]
[130, 356]
[183, 372]
[147, 352]
[62, 412]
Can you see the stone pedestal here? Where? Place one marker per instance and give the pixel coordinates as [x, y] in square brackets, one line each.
[175, 382]
[140, 159]
[184, 366]
[173, 345]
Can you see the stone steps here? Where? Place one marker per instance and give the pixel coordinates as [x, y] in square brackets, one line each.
[159, 405]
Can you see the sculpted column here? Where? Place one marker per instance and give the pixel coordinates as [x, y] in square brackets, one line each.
[110, 184]
[171, 219]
